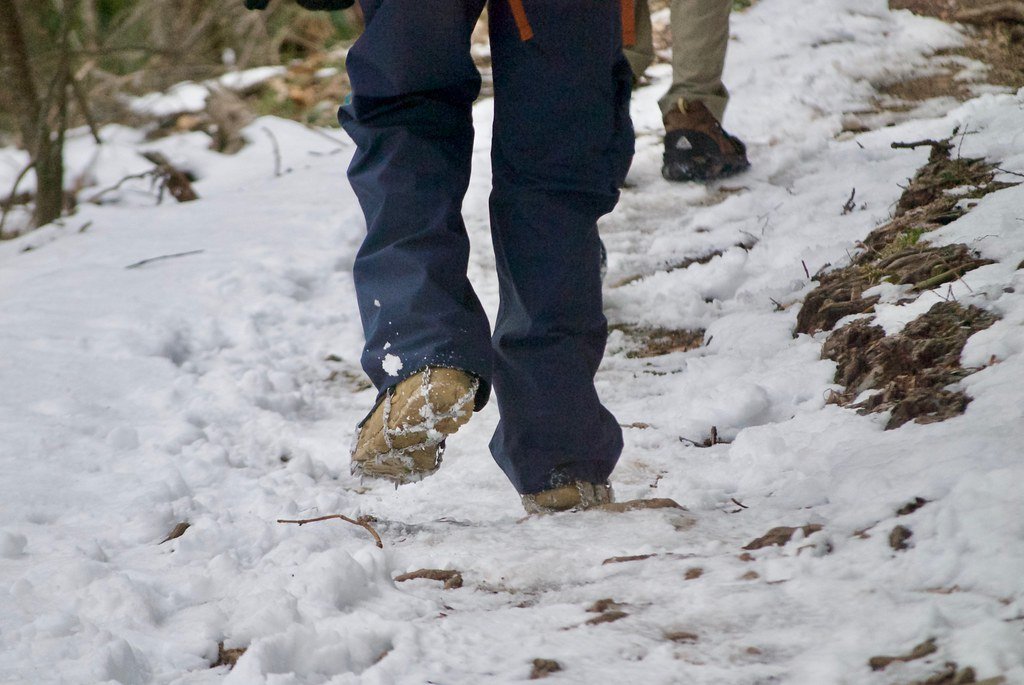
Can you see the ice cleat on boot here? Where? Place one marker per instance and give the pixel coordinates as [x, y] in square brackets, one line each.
[697, 148]
[577, 495]
[403, 438]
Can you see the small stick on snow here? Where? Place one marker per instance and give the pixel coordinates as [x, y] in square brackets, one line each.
[1007, 171]
[277, 150]
[850, 205]
[943, 144]
[362, 521]
[136, 265]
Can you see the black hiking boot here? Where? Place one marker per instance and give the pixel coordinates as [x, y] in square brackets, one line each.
[697, 148]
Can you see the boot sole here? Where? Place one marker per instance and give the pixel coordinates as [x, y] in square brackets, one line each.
[412, 450]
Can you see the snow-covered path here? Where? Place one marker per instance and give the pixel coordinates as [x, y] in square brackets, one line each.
[219, 388]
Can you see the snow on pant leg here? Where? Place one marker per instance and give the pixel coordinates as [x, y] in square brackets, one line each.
[561, 146]
[641, 53]
[700, 35]
[410, 114]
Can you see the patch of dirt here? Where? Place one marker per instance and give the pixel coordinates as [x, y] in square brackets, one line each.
[911, 506]
[926, 87]
[997, 38]
[896, 251]
[654, 342]
[176, 532]
[227, 657]
[899, 536]
[452, 579]
[878, 663]
[951, 674]
[638, 504]
[780, 535]
[693, 573]
[909, 370]
[542, 668]
[683, 636]
[608, 611]
[607, 617]
[603, 605]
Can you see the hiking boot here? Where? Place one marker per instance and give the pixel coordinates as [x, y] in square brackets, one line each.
[403, 438]
[697, 148]
[577, 495]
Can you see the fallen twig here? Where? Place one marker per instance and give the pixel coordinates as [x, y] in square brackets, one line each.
[136, 265]
[849, 205]
[130, 177]
[1007, 171]
[277, 150]
[940, 144]
[362, 522]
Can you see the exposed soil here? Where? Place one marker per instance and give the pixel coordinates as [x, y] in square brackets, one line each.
[939, 193]
[452, 579]
[779, 536]
[227, 657]
[909, 371]
[878, 663]
[542, 668]
[654, 342]
[997, 36]
[899, 536]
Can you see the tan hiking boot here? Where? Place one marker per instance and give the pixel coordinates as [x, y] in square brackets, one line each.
[697, 148]
[403, 438]
[578, 495]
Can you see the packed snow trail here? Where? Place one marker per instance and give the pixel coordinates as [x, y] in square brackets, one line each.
[220, 388]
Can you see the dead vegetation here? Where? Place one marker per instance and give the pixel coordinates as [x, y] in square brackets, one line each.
[909, 372]
[645, 342]
[878, 663]
[227, 657]
[997, 37]
[542, 668]
[452, 579]
[899, 536]
[896, 252]
[780, 535]
[607, 610]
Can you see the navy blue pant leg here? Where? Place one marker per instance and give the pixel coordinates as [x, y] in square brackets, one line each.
[562, 144]
[413, 85]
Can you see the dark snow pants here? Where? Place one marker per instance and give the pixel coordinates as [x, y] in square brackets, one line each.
[562, 141]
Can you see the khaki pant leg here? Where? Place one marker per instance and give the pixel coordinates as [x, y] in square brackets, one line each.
[641, 55]
[700, 34]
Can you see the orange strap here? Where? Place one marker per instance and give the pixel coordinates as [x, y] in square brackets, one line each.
[628, 23]
[522, 23]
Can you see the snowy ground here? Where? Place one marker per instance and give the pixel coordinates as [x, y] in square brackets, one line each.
[220, 388]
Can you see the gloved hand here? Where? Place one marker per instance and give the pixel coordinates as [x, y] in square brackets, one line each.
[325, 5]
